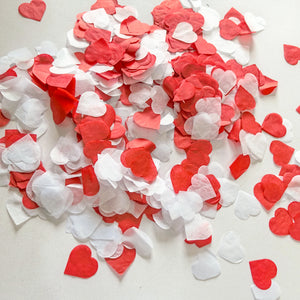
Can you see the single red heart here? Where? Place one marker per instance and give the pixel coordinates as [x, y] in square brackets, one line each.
[203, 47]
[33, 10]
[198, 153]
[81, 263]
[272, 124]
[281, 222]
[294, 209]
[262, 272]
[273, 187]
[181, 178]
[123, 262]
[147, 119]
[228, 29]
[89, 181]
[244, 100]
[140, 162]
[94, 129]
[291, 54]
[249, 124]
[141, 143]
[282, 153]
[93, 148]
[239, 166]
[295, 228]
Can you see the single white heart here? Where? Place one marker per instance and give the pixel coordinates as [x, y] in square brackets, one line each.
[246, 205]
[184, 33]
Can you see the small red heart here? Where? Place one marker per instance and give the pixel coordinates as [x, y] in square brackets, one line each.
[203, 47]
[281, 222]
[295, 228]
[140, 162]
[93, 148]
[123, 262]
[249, 124]
[244, 100]
[33, 10]
[262, 272]
[89, 181]
[294, 209]
[272, 124]
[291, 54]
[93, 129]
[81, 263]
[147, 119]
[198, 153]
[181, 178]
[282, 153]
[239, 166]
[228, 29]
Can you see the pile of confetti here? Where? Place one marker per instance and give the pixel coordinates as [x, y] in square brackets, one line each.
[130, 96]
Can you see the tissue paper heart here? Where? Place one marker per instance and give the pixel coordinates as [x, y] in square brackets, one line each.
[123, 262]
[33, 10]
[81, 263]
[282, 153]
[263, 271]
[184, 33]
[246, 205]
[272, 124]
[291, 54]
[281, 222]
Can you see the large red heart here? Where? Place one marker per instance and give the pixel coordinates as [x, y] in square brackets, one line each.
[33, 10]
[122, 263]
[281, 222]
[282, 153]
[272, 124]
[81, 263]
[262, 272]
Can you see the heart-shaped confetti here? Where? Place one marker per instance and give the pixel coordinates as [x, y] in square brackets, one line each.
[34, 10]
[281, 222]
[81, 263]
[272, 124]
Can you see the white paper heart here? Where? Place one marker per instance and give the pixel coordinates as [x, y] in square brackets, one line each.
[246, 205]
[184, 33]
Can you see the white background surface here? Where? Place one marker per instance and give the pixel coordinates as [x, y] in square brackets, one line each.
[33, 257]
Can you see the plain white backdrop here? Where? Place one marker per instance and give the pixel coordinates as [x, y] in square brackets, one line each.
[33, 257]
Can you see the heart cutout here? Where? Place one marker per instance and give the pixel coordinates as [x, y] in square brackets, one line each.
[291, 54]
[203, 47]
[249, 124]
[262, 272]
[244, 100]
[34, 10]
[282, 153]
[184, 33]
[281, 222]
[272, 124]
[123, 262]
[295, 228]
[81, 263]
[147, 119]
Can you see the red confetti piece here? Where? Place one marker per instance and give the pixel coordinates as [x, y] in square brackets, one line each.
[249, 124]
[239, 166]
[81, 263]
[89, 181]
[147, 119]
[34, 10]
[244, 100]
[295, 228]
[272, 124]
[291, 54]
[123, 262]
[281, 222]
[282, 153]
[263, 271]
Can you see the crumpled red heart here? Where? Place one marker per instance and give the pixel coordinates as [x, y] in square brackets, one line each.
[81, 263]
[262, 272]
[34, 10]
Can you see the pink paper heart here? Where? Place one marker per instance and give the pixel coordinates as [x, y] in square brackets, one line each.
[34, 10]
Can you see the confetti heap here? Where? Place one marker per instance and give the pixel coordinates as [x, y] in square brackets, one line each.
[131, 99]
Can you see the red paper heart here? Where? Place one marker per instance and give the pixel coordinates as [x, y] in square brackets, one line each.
[272, 124]
[240, 166]
[295, 228]
[33, 10]
[147, 119]
[228, 29]
[81, 263]
[294, 209]
[93, 148]
[281, 222]
[140, 163]
[89, 181]
[181, 178]
[93, 129]
[282, 153]
[198, 153]
[203, 47]
[123, 262]
[249, 124]
[244, 100]
[262, 272]
[291, 54]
